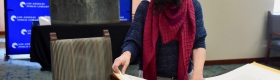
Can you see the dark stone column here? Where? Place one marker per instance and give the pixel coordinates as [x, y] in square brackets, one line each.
[84, 11]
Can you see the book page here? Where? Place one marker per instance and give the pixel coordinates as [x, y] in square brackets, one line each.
[248, 72]
[127, 77]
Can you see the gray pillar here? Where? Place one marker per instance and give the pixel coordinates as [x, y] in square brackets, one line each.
[84, 12]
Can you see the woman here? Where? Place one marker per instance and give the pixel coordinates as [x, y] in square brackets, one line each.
[169, 37]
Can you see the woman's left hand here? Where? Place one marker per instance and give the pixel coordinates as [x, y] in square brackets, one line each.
[196, 76]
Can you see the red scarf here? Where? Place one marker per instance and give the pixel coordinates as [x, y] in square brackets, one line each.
[172, 24]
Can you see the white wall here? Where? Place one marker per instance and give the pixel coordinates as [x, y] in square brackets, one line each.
[135, 4]
[276, 6]
[2, 23]
[236, 28]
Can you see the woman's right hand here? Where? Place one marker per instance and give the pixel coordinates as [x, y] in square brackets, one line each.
[123, 60]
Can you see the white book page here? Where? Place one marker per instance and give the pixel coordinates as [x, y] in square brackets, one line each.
[248, 72]
[129, 77]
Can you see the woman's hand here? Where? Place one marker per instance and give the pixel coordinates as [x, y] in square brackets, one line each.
[198, 61]
[123, 60]
[197, 76]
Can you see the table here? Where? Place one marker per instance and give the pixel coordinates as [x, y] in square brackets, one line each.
[40, 40]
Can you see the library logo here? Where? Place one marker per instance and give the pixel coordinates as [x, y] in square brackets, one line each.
[13, 18]
[22, 4]
[14, 45]
[20, 45]
[23, 31]
[23, 18]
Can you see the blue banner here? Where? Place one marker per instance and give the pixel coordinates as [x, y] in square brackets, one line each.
[28, 4]
[21, 14]
[125, 10]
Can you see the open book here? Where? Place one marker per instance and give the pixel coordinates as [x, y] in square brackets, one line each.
[120, 76]
[253, 71]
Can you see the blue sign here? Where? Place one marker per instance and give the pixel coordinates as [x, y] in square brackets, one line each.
[28, 5]
[21, 14]
[125, 10]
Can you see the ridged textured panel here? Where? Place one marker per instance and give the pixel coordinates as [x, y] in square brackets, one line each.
[82, 59]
